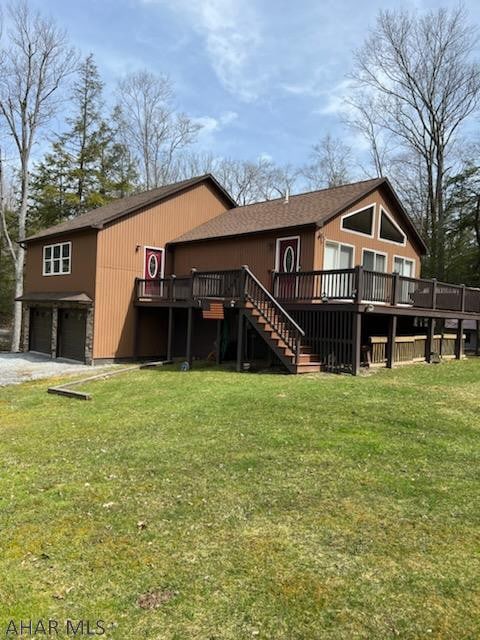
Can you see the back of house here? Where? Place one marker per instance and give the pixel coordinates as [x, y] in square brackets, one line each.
[333, 280]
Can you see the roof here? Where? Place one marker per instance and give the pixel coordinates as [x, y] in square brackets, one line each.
[312, 208]
[97, 218]
[72, 296]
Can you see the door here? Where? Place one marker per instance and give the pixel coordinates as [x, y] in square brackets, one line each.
[404, 267]
[72, 324]
[337, 256]
[40, 338]
[287, 261]
[376, 285]
[153, 271]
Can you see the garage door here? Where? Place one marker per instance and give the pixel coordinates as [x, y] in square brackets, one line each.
[40, 330]
[71, 334]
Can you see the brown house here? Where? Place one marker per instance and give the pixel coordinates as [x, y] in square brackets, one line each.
[80, 274]
[333, 281]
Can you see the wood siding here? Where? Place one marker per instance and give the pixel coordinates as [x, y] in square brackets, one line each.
[333, 231]
[83, 263]
[120, 259]
[256, 250]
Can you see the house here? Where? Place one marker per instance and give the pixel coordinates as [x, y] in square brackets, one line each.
[79, 276]
[323, 280]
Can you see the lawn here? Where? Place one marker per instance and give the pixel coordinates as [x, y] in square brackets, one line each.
[216, 505]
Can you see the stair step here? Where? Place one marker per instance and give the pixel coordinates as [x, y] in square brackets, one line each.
[312, 367]
[307, 358]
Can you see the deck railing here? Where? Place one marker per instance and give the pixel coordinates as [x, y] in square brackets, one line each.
[355, 285]
[364, 285]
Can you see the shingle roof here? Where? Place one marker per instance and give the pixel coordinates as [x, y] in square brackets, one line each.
[117, 208]
[303, 209]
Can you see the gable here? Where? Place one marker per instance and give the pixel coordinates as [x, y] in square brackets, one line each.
[378, 216]
[364, 237]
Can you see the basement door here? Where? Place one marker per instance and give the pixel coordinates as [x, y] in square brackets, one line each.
[153, 270]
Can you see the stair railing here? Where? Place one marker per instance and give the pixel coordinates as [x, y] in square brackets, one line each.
[273, 312]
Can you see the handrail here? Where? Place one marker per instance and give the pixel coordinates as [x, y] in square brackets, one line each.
[274, 301]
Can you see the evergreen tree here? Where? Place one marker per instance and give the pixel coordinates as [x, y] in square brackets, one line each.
[88, 166]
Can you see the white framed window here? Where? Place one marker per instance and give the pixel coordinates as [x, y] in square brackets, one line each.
[374, 260]
[57, 259]
[360, 221]
[338, 255]
[404, 266]
[389, 231]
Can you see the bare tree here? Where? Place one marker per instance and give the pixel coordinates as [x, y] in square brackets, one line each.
[155, 131]
[246, 181]
[360, 117]
[329, 166]
[35, 59]
[423, 84]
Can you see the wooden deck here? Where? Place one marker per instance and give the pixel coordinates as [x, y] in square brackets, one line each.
[317, 320]
[374, 291]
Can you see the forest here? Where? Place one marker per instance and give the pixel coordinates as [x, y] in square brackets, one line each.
[68, 146]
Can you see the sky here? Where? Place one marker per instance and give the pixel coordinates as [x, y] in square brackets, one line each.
[263, 77]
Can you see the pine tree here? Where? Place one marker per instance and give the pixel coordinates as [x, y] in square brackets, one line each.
[87, 166]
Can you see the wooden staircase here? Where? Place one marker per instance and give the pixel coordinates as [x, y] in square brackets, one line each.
[280, 332]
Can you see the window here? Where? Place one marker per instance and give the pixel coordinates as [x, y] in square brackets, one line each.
[57, 259]
[359, 221]
[389, 230]
[403, 267]
[374, 261]
[338, 256]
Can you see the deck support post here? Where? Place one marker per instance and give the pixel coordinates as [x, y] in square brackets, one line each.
[219, 342]
[240, 340]
[170, 333]
[477, 339]
[189, 335]
[459, 340]
[136, 333]
[430, 337]
[356, 342]
[392, 334]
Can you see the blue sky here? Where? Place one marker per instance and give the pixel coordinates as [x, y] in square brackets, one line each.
[263, 77]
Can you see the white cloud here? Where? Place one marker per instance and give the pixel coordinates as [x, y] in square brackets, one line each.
[211, 126]
[334, 99]
[232, 35]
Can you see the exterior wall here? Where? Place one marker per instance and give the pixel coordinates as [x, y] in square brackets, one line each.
[257, 251]
[83, 263]
[120, 259]
[333, 231]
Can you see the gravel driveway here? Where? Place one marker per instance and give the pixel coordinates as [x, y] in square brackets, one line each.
[20, 367]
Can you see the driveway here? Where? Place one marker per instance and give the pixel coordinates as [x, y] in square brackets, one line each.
[20, 367]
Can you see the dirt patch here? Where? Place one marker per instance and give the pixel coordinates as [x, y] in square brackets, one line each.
[155, 599]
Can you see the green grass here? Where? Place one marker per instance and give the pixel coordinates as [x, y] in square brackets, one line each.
[279, 507]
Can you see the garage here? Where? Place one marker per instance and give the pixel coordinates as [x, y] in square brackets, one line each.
[40, 330]
[72, 325]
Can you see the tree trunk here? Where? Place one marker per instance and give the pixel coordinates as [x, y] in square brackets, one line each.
[17, 306]
[20, 254]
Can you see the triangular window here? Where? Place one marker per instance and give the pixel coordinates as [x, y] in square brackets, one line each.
[389, 230]
[359, 221]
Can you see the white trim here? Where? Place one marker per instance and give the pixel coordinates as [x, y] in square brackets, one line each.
[352, 213]
[395, 224]
[162, 268]
[381, 253]
[61, 258]
[277, 253]
[412, 260]
[345, 244]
